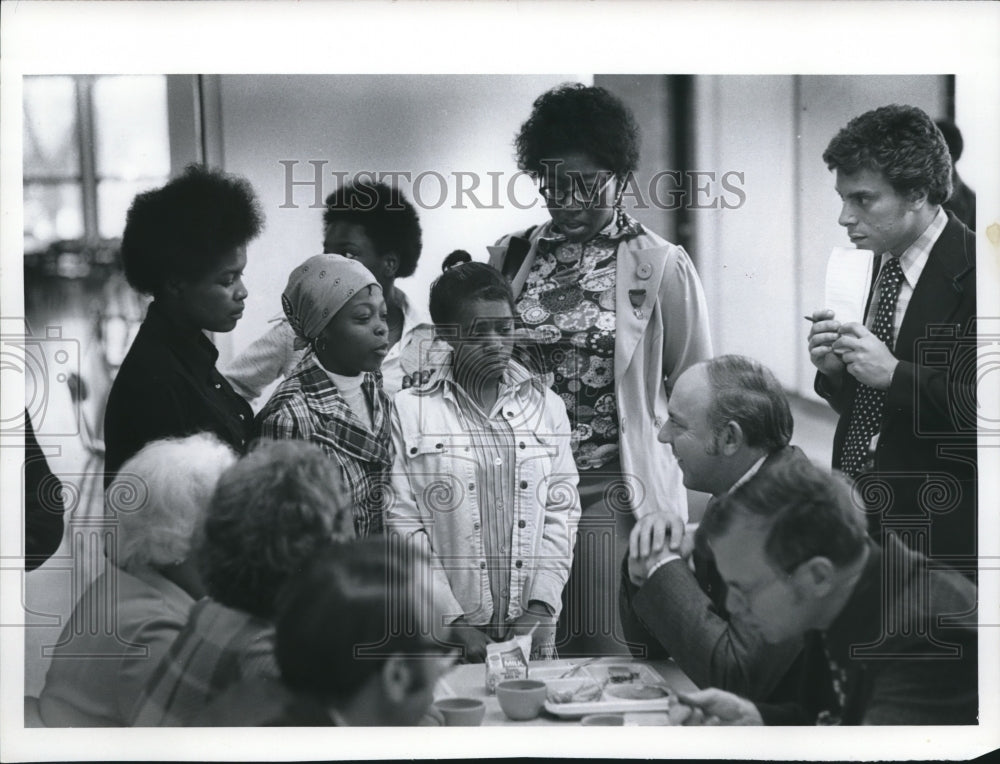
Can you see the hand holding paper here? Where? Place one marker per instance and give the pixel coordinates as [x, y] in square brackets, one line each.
[848, 281]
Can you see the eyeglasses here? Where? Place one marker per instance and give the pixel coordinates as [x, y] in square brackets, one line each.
[582, 192]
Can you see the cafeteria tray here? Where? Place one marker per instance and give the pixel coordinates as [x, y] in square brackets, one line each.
[599, 673]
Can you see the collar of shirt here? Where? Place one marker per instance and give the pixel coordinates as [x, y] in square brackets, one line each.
[191, 344]
[754, 469]
[622, 225]
[514, 378]
[913, 260]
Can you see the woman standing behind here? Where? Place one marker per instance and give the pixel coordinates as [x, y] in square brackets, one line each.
[185, 244]
[617, 313]
[334, 397]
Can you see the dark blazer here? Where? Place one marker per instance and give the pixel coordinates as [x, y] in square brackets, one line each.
[905, 646]
[168, 387]
[924, 470]
[684, 614]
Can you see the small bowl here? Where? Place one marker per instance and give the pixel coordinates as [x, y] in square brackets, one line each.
[603, 720]
[461, 712]
[521, 699]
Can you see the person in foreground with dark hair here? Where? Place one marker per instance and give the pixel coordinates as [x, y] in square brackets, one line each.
[904, 382]
[885, 643]
[483, 478]
[355, 645]
[729, 424]
[962, 201]
[270, 513]
[184, 244]
[617, 314]
[376, 225]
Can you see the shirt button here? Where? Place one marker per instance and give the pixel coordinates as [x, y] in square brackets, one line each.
[439, 445]
[509, 414]
[644, 271]
[521, 444]
[472, 486]
[523, 484]
[518, 564]
[498, 461]
[500, 505]
[413, 451]
[521, 523]
[504, 592]
[475, 526]
[218, 386]
[482, 566]
[242, 417]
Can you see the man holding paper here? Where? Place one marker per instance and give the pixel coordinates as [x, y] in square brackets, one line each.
[904, 381]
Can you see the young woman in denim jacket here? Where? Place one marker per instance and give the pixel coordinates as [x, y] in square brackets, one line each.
[483, 477]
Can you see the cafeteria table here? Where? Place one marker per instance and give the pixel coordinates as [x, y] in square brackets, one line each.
[469, 681]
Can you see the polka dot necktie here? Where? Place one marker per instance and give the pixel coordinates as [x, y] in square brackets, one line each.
[869, 403]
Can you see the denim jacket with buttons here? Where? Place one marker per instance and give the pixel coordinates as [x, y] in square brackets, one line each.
[434, 501]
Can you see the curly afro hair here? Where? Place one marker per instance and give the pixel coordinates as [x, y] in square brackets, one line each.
[270, 513]
[574, 118]
[186, 228]
[386, 215]
[900, 141]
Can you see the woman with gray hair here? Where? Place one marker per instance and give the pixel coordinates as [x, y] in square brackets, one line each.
[128, 617]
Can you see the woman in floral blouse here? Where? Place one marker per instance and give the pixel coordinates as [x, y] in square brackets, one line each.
[616, 314]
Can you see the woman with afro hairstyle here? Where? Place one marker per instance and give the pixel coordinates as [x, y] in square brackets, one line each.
[184, 244]
[377, 225]
[616, 314]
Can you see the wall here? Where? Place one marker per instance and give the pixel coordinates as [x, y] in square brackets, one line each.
[420, 123]
[763, 264]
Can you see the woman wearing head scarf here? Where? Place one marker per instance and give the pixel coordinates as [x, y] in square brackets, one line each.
[334, 396]
[617, 314]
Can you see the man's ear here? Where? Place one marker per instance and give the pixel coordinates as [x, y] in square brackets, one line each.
[396, 678]
[917, 198]
[816, 576]
[731, 438]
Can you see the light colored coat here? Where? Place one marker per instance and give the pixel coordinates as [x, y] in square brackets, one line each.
[655, 341]
[435, 501]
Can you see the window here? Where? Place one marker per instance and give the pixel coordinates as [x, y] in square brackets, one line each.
[91, 143]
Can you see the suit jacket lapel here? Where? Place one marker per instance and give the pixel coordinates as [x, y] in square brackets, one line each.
[940, 290]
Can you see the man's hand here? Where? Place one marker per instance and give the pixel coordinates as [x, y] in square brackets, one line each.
[868, 359]
[471, 640]
[640, 568]
[539, 621]
[713, 706]
[654, 530]
[822, 336]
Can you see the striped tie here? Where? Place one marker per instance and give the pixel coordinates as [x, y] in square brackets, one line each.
[869, 403]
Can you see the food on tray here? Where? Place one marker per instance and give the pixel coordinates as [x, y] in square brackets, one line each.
[582, 692]
[622, 674]
[638, 691]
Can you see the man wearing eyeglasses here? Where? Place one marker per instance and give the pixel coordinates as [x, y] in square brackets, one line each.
[793, 549]
[728, 422]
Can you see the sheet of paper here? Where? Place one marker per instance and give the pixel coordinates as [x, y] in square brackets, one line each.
[848, 281]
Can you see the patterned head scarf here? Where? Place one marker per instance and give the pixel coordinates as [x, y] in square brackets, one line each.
[317, 289]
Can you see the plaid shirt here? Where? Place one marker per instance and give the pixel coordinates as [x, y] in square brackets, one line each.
[307, 406]
[217, 648]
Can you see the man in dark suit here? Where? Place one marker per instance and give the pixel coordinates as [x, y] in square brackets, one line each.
[729, 422]
[793, 550]
[904, 382]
